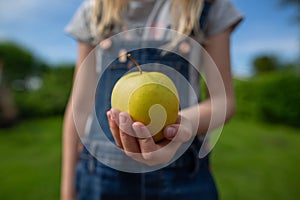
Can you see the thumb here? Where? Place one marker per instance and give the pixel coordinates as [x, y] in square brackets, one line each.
[177, 133]
[170, 131]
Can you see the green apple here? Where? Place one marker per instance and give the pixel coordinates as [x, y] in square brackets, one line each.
[148, 97]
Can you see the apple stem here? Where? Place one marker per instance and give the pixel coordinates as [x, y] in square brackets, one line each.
[135, 62]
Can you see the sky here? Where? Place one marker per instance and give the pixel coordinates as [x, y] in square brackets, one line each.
[268, 28]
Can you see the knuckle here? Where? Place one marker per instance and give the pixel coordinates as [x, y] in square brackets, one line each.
[127, 153]
[149, 156]
[151, 159]
[130, 154]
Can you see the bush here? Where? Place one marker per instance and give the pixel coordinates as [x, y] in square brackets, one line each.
[265, 63]
[51, 98]
[279, 97]
[246, 93]
[272, 97]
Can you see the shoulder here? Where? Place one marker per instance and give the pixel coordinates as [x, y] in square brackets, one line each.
[222, 14]
[80, 25]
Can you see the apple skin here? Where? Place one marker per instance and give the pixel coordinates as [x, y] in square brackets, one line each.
[148, 97]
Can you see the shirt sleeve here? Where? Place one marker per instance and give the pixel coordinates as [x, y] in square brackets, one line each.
[79, 26]
[222, 15]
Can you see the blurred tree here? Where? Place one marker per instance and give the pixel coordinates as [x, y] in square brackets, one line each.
[19, 62]
[265, 63]
[8, 109]
[16, 63]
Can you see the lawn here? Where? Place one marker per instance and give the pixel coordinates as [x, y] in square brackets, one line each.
[250, 161]
[30, 166]
[257, 161]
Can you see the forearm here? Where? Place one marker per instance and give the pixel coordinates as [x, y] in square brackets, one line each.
[69, 153]
[220, 105]
[209, 115]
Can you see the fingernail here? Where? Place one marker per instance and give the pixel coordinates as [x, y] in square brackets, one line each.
[171, 132]
[122, 119]
[108, 114]
[137, 126]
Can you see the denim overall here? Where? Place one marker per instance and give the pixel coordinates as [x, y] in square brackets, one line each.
[187, 178]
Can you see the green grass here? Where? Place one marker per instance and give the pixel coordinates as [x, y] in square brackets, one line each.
[30, 160]
[257, 161]
[250, 161]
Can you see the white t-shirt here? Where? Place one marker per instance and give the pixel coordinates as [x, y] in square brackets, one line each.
[221, 15]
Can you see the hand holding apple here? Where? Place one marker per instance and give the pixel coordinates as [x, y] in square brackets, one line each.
[144, 117]
[144, 149]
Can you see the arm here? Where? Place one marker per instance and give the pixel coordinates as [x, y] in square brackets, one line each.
[218, 47]
[70, 137]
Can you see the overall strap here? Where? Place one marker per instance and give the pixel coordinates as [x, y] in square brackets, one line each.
[204, 15]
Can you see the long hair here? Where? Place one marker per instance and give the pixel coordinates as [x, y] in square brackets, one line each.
[107, 13]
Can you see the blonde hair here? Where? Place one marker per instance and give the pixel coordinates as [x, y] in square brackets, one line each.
[106, 14]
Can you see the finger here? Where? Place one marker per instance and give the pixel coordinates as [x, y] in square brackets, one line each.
[178, 133]
[171, 131]
[129, 142]
[152, 153]
[115, 115]
[114, 129]
[145, 140]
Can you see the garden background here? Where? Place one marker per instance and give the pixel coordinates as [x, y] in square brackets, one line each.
[256, 157]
